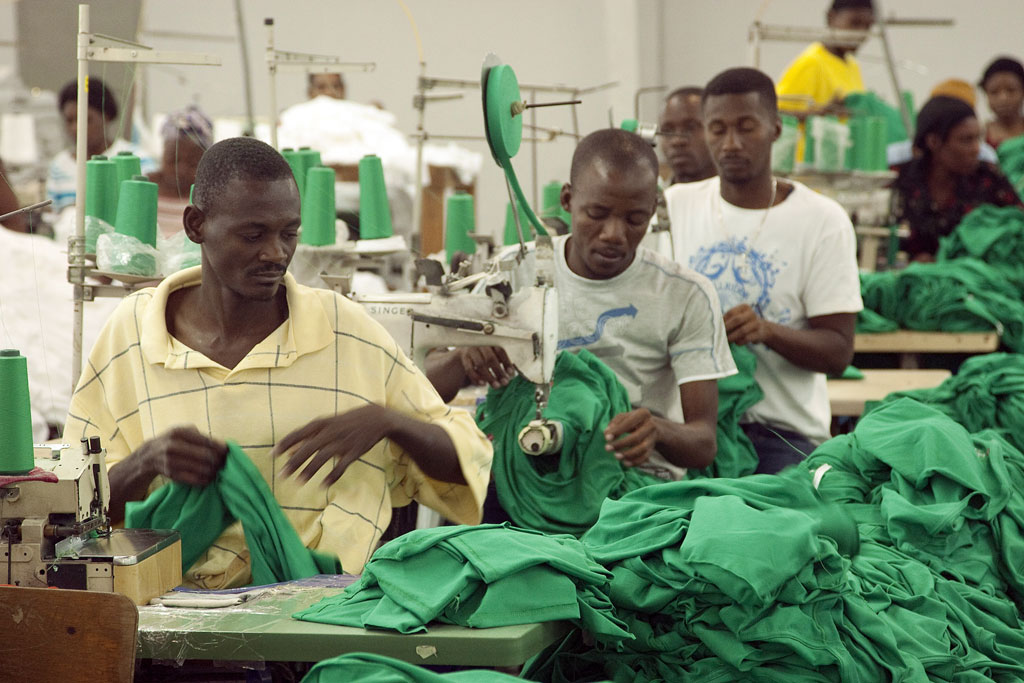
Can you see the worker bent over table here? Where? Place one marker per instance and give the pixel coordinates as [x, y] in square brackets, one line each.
[236, 349]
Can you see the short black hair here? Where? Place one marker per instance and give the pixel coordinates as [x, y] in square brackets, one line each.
[740, 81]
[101, 98]
[1002, 65]
[686, 91]
[617, 147]
[244, 158]
[840, 5]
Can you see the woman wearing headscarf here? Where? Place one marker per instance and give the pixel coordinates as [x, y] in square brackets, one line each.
[186, 134]
[1003, 83]
[945, 179]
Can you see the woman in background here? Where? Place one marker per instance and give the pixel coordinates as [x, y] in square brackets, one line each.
[1003, 83]
[945, 179]
[186, 135]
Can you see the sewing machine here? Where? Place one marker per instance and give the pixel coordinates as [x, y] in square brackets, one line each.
[495, 307]
[57, 533]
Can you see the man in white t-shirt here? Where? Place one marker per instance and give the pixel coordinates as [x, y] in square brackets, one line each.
[656, 324]
[782, 258]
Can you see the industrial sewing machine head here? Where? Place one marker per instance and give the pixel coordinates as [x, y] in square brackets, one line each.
[54, 530]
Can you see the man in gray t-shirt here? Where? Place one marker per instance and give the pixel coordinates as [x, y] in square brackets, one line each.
[655, 323]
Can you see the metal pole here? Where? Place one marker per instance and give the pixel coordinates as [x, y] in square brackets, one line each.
[243, 44]
[533, 149]
[417, 199]
[272, 67]
[908, 121]
[76, 248]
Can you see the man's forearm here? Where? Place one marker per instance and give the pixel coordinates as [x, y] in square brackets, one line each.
[444, 370]
[429, 446]
[129, 480]
[691, 444]
[819, 350]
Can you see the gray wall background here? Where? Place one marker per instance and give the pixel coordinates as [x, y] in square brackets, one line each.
[639, 43]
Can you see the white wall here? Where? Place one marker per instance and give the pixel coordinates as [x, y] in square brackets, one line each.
[640, 43]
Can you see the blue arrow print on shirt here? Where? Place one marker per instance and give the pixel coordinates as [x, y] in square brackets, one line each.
[602, 320]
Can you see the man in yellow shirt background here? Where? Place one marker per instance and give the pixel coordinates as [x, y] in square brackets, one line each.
[824, 72]
[236, 349]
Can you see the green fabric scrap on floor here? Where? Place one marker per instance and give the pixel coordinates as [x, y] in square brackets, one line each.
[483, 576]
[276, 553]
[737, 393]
[560, 493]
[371, 668]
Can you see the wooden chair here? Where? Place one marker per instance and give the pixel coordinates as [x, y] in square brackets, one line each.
[48, 634]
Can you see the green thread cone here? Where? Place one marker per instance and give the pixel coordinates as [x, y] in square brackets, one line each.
[511, 234]
[374, 212]
[318, 208]
[100, 191]
[294, 160]
[459, 222]
[855, 151]
[16, 455]
[877, 134]
[136, 210]
[128, 166]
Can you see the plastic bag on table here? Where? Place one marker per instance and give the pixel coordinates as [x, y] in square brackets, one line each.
[94, 227]
[117, 253]
[177, 252]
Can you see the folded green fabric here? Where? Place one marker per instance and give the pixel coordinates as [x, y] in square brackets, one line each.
[987, 392]
[560, 493]
[482, 576]
[370, 668]
[1011, 161]
[276, 552]
[962, 295]
[737, 393]
[992, 234]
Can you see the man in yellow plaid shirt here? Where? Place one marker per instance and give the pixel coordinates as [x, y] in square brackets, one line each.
[337, 419]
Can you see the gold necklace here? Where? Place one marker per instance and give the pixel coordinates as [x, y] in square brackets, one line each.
[764, 216]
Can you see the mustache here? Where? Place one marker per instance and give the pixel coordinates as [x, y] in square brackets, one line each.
[276, 270]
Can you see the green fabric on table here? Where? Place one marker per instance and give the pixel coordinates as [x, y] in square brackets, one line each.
[987, 392]
[870, 104]
[560, 493]
[737, 393]
[992, 234]
[370, 668]
[870, 322]
[963, 295]
[1011, 161]
[730, 580]
[483, 576]
[276, 552]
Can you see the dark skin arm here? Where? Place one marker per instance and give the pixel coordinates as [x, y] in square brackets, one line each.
[449, 371]
[340, 440]
[826, 347]
[632, 436]
[181, 454]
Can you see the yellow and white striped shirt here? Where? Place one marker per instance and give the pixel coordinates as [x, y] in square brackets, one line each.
[327, 358]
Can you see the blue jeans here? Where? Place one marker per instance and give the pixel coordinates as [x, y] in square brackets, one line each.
[776, 448]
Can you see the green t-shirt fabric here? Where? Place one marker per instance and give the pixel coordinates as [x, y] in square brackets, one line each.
[962, 295]
[369, 668]
[276, 553]
[987, 392]
[992, 234]
[1011, 161]
[482, 576]
[737, 393]
[870, 104]
[559, 493]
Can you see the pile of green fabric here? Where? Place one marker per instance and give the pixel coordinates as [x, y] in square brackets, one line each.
[369, 668]
[749, 580]
[276, 552]
[482, 576]
[560, 493]
[963, 295]
[987, 392]
[870, 104]
[736, 395]
[1011, 160]
[992, 234]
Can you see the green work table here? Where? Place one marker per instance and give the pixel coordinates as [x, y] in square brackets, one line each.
[262, 630]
